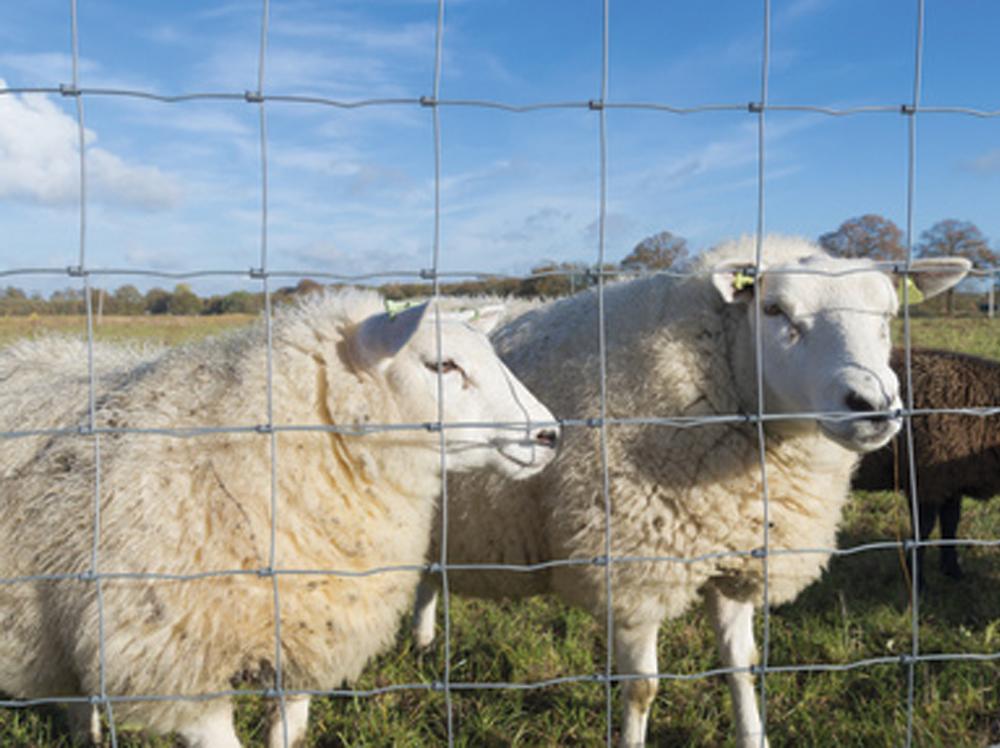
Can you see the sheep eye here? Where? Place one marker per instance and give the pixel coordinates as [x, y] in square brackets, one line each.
[444, 367]
[774, 310]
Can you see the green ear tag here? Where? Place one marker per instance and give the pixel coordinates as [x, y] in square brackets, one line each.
[741, 280]
[392, 308]
[914, 294]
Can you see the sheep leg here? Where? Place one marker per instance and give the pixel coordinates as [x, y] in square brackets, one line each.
[951, 512]
[635, 653]
[424, 611]
[84, 723]
[927, 512]
[733, 623]
[214, 729]
[296, 719]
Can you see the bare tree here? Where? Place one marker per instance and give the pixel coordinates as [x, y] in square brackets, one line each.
[657, 252]
[953, 237]
[872, 236]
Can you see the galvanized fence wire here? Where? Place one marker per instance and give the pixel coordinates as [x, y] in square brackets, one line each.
[263, 273]
[765, 647]
[911, 194]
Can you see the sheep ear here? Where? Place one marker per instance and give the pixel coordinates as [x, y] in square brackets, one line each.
[735, 281]
[933, 276]
[382, 336]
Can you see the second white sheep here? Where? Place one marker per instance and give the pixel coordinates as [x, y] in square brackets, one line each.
[686, 511]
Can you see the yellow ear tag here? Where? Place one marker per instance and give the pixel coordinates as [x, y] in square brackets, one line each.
[741, 280]
[392, 308]
[914, 294]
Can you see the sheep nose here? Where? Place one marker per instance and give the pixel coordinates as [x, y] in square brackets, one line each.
[547, 438]
[858, 403]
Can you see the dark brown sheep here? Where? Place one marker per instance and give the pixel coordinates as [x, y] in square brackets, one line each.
[956, 455]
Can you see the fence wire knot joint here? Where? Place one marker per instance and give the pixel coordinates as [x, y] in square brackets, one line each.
[253, 97]
[428, 274]
[68, 89]
[907, 109]
[595, 105]
[264, 428]
[755, 107]
[258, 273]
[760, 552]
[265, 572]
[428, 101]
[75, 271]
[434, 568]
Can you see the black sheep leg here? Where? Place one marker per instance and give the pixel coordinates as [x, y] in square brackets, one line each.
[951, 512]
[928, 518]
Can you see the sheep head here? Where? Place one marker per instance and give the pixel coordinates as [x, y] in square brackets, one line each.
[825, 337]
[460, 370]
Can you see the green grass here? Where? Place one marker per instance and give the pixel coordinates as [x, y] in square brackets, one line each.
[162, 329]
[977, 335]
[859, 609]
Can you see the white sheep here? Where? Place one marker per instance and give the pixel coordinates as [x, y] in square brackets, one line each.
[685, 348]
[201, 505]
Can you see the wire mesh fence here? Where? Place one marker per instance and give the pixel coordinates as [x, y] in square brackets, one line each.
[86, 274]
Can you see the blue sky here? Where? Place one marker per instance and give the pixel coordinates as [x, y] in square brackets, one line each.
[176, 187]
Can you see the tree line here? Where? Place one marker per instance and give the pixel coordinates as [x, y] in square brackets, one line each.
[872, 236]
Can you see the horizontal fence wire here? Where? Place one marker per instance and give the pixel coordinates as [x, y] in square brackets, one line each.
[254, 97]
[906, 544]
[598, 274]
[590, 273]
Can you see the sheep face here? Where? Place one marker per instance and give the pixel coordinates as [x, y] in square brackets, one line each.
[474, 387]
[826, 344]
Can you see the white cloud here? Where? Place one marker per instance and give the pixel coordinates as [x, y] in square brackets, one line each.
[985, 163]
[40, 161]
[799, 9]
[44, 68]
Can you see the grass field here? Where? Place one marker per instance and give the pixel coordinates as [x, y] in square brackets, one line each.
[857, 610]
[160, 329]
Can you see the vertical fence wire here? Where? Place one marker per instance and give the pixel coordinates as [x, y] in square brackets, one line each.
[602, 346]
[257, 97]
[445, 685]
[94, 573]
[759, 362]
[911, 180]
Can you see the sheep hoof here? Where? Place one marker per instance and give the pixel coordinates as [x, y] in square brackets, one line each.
[423, 640]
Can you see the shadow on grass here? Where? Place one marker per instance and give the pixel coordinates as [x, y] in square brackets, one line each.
[872, 580]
